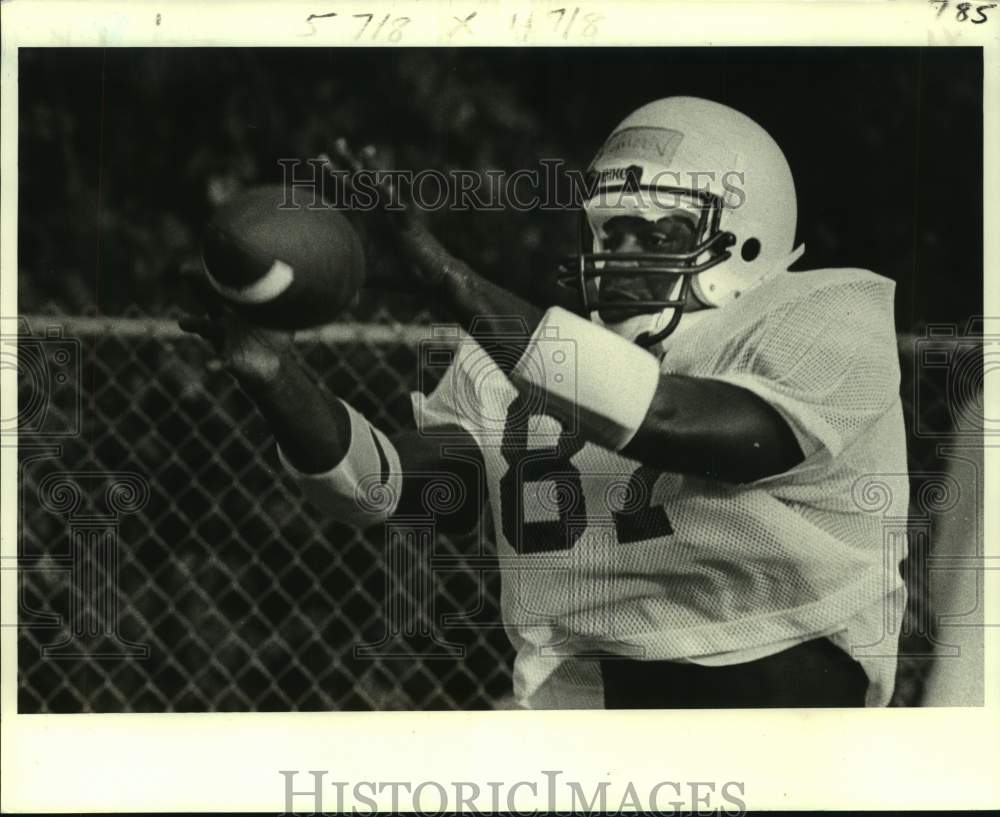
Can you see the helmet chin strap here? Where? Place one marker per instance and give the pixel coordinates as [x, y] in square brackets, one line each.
[658, 332]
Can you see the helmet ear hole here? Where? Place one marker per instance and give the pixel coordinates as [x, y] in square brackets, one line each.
[750, 249]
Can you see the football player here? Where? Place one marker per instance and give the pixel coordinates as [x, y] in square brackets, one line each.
[673, 457]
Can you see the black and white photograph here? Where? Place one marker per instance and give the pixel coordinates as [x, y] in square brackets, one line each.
[399, 378]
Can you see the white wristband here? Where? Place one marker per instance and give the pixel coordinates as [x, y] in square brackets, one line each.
[588, 377]
[364, 488]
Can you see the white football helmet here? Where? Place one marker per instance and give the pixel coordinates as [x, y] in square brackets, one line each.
[715, 165]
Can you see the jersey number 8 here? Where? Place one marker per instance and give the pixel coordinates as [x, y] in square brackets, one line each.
[638, 518]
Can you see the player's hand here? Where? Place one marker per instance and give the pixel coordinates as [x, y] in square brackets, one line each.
[429, 262]
[253, 355]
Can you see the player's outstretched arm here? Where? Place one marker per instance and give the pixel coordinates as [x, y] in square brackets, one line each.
[344, 464]
[481, 307]
[311, 428]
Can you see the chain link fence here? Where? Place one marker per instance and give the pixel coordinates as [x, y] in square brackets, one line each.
[167, 564]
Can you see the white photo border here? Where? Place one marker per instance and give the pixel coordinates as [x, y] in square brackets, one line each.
[892, 758]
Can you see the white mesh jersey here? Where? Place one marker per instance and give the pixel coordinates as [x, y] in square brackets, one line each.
[600, 555]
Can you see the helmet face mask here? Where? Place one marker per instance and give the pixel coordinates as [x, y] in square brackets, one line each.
[716, 165]
[608, 279]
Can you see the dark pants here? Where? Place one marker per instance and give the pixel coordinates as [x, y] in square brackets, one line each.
[813, 674]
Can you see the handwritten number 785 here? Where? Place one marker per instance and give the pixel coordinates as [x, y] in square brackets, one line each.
[965, 11]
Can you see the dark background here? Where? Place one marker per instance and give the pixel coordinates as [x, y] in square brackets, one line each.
[124, 151]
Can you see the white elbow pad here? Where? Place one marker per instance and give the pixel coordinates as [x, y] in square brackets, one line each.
[589, 377]
[364, 488]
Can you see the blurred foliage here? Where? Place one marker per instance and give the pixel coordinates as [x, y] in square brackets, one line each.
[123, 152]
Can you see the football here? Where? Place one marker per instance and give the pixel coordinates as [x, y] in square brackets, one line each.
[282, 260]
